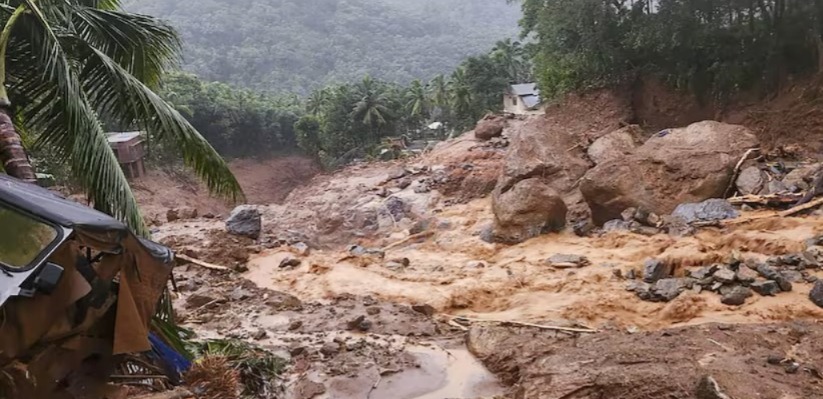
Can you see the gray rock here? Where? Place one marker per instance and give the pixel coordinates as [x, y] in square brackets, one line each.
[302, 248]
[765, 288]
[708, 388]
[745, 275]
[669, 288]
[654, 270]
[424, 309]
[582, 228]
[793, 276]
[770, 273]
[736, 296]
[777, 186]
[245, 221]
[618, 225]
[475, 264]
[724, 275]
[750, 181]
[330, 349]
[360, 323]
[708, 210]
[567, 261]
[290, 261]
[816, 294]
[703, 272]
[487, 234]
[396, 207]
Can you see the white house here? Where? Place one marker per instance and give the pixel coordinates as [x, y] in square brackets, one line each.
[521, 99]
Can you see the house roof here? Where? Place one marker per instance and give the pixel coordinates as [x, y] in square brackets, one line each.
[531, 101]
[525, 89]
[122, 137]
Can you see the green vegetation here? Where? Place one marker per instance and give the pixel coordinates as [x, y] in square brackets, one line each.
[237, 122]
[296, 46]
[68, 66]
[340, 122]
[712, 48]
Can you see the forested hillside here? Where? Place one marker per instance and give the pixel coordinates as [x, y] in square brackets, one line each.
[299, 45]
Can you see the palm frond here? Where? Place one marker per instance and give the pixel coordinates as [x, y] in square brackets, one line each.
[119, 95]
[142, 45]
[60, 112]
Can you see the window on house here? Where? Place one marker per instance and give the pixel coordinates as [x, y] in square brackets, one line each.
[514, 100]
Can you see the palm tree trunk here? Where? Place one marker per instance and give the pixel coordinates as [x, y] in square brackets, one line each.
[12, 155]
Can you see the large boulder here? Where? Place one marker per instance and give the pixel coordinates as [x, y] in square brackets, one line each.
[528, 209]
[489, 128]
[244, 221]
[537, 186]
[616, 144]
[689, 164]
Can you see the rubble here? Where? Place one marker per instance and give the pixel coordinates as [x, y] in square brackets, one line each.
[655, 269]
[736, 296]
[765, 288]
[816, 294]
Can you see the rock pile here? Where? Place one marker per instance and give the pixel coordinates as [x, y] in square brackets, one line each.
[735, 281]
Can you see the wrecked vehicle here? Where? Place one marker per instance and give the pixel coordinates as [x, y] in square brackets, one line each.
[77, 289]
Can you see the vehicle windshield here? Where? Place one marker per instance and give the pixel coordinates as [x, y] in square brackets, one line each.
[22, 238]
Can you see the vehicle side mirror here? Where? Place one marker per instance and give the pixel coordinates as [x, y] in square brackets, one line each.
[48, 278]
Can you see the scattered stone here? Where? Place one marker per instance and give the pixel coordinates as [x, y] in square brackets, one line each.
[295, 325]
[736, 296]
[244, 221]
[793, 276]
[618, 225]
[654, 269]
[632, 274]
[475, 264]
[373, 311]
[792, 368]
[774, 359]
[397, 173]
[776, 186]
[746, 276]
[259, 334]
[297, 351]
[566, 261]
[716, 287]
[308, 389]
[816, 294]
[487, 234]
[302, 248]
[770, 273]
[424, 309]
[361, 323]
[709, 210]
[582, 228]
[397, 207]
[669, 288]
[708, 388]
[724, 275]
[703, 272]
[750, 181]
[766, 288]
[420, 226]
[330, 349]
[638, 286]
[290, 261]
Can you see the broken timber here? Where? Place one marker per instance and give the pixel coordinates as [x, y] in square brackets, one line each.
[198, 262]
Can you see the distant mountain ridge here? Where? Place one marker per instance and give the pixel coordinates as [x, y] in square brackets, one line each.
[298, 45]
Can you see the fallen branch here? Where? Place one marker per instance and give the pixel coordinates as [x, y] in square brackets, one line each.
[425, 234]
[766, 200]
[801, 208]
[524, 324]
[200, 263]
[737, 171]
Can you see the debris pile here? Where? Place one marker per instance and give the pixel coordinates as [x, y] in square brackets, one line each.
[736, 280]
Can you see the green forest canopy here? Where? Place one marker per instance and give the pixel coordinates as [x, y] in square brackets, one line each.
[299, 45]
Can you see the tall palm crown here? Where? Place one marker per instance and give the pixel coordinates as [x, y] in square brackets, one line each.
[372, 109]
[66, 65]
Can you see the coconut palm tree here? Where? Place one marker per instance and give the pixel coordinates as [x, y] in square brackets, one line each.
[417, 102]
[461, 93]
[372, 110]
[66, 65]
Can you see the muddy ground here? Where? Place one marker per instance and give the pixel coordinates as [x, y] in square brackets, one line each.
[424, 308]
